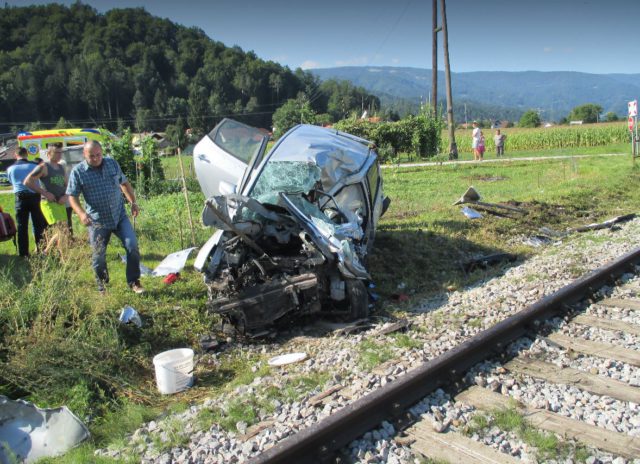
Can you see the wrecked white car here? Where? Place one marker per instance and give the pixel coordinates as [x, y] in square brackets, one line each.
[294, 225]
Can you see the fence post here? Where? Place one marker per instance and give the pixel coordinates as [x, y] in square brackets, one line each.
[186, 197]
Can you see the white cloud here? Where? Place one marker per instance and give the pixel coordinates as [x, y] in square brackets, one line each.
[547, 49]
[279, 58]
[395, 60]
[310, 64]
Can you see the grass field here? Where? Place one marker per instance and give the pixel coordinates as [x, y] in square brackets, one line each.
[61, 342]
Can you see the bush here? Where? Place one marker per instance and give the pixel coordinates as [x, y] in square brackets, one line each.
[416, 135]
[530, 119]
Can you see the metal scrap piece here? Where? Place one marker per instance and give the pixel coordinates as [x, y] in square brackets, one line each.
[29, 433]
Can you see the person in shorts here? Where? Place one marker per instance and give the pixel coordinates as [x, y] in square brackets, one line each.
[50, 181]
[476, 134]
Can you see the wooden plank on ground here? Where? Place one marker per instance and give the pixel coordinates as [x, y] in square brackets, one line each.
[568, 376]
[453, 447]
[606, 440]
[602, 350]
[607, 324]
[622, 303]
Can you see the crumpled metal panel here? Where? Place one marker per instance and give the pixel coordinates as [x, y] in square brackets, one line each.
[29, 433]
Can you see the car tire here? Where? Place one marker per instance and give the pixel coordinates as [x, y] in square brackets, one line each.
[358, 299]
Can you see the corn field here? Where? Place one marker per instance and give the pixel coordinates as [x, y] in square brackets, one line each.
[540, 138]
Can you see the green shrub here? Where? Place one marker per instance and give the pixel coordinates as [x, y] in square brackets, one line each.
[418, 135]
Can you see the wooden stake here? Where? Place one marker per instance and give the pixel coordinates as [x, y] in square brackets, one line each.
[186, 197]
[181, 235]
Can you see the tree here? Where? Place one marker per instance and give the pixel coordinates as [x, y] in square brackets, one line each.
[586, 113]
[176, 133]
[294, 111]
[121, 149]
[611, 117]
[530, 118]
[63, 124]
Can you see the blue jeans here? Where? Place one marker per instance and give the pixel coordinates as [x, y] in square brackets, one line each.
[99, 239]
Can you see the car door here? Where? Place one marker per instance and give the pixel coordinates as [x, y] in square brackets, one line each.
[221, 158]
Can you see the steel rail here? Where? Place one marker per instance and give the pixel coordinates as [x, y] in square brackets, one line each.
[319, 442]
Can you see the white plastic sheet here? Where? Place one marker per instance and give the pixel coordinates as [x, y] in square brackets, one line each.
[471, 213]
[173, 263]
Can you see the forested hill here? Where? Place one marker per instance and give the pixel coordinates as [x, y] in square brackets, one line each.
[129, 66]
[554, 93]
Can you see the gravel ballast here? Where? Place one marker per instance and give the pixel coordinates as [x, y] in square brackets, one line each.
[438, 323]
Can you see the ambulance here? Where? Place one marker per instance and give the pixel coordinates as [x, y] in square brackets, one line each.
[36, 142]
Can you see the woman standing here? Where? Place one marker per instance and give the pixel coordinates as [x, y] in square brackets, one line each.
[476, 137]
[52, 187]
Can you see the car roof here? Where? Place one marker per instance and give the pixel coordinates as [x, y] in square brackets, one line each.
[324, 147]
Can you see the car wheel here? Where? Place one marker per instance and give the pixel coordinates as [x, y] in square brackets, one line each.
[358, 299]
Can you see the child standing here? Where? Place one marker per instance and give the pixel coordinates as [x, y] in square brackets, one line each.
[481, 147]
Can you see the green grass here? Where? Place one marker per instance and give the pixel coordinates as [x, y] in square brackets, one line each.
[171, 166]
[372, 354]
[406, 341]
[423, 239]
[236, 410]
[547, 445]
[295, 388]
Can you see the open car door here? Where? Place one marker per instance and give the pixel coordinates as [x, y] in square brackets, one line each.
[221, 158]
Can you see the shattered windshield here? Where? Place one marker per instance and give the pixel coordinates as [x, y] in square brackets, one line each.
[287, 177]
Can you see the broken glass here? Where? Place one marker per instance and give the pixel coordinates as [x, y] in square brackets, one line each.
[287, 177]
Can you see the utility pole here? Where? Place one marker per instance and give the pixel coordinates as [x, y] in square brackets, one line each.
[453, 148]
[434, 56]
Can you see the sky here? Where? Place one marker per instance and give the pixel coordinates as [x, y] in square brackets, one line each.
[592, 36]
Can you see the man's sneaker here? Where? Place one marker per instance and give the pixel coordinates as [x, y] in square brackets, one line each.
[102, 289]
[136, 287]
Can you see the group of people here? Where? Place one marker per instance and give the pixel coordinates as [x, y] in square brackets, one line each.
[478, 145]
[44, 193]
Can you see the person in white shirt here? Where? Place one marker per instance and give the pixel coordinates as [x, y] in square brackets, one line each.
[476, 135]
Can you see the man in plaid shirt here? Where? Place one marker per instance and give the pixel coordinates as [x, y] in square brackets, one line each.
[102, 183]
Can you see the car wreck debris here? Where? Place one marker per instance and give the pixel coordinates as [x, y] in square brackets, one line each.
[130, 315]
[482, 262]
[29, 433]
[294, 226]
[284, 359]
[471, 213]
[473, 197]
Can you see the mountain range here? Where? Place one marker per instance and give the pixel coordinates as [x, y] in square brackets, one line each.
[496, 94]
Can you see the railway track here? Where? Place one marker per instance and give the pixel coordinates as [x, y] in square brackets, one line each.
[481, 373]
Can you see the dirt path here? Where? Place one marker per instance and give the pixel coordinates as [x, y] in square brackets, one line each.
[495, 160]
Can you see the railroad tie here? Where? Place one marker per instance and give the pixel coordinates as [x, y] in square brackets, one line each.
[607, 324]
[579, 379]
[625, 303]
[599, 349]
[453, 447]
[613, 442]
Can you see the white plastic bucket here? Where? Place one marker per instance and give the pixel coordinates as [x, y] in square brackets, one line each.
[174, 370]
